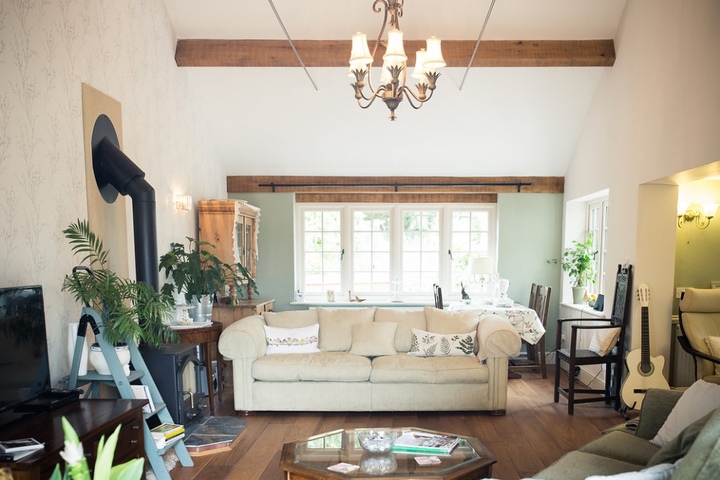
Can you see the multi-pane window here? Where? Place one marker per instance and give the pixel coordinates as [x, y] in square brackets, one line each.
[322, 250]
[420, 249]
[389, 250]
[597, 226]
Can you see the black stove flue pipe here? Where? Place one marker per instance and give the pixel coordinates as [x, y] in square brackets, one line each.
[116, 173]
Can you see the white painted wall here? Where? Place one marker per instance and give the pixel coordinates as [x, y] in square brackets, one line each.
[656, 113]
[124, 49]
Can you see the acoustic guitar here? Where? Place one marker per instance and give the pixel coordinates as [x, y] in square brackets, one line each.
[644, 372]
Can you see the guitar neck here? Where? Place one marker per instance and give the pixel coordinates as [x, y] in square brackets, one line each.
[645, 347]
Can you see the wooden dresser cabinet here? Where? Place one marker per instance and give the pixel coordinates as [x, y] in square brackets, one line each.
[232, 226]
[227, 314]
[91, 419]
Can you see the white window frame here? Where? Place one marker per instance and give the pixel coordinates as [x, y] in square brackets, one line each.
[396, 219]
[597, 210]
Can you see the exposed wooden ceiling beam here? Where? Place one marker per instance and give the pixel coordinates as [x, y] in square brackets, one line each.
[335, 53]
[395, 185]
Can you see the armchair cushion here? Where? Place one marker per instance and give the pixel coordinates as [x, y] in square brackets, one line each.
[713, 344]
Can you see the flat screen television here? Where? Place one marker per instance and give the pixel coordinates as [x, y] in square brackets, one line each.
[24, 365]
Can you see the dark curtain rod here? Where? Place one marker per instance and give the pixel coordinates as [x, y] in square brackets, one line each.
[397, 185]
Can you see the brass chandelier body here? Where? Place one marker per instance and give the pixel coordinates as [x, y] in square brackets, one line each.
[392, 88]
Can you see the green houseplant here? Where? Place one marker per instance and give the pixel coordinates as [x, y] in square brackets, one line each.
[199, 274]
[130, 310]
[579, 263]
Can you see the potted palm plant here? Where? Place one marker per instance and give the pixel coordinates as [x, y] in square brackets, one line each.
[130, 310]
[579, 262]
[198, 274]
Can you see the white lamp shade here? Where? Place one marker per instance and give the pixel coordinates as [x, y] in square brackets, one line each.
[419, 70]
[434, 58]
[709, 209]
[360, 53]
[395, 53]
[482, 266]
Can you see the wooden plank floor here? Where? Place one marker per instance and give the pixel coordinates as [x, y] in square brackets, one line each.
[534, 433]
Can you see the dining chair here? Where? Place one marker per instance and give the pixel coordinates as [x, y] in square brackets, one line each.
[534, 358]
[437, 293]
[613, 359]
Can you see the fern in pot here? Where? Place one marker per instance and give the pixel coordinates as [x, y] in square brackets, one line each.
[198, 275]
[130, 311]
[579, 263]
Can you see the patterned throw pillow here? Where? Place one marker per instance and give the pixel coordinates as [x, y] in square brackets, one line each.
[291, 340]
[426, 344]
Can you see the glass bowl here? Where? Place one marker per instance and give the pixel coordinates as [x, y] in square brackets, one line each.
[377, 441]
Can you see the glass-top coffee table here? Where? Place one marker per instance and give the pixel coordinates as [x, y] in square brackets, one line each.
[323, 457]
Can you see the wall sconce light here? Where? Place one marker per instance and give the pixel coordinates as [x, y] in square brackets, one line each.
[183, 203]
[701, 214]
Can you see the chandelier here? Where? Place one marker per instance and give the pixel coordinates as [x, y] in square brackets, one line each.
[392, 88]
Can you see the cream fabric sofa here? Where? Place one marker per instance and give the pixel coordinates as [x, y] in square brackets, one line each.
[361, 362]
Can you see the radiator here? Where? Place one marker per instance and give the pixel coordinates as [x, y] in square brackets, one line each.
[682, 373]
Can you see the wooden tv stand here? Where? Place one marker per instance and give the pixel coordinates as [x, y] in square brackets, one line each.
[91, 419]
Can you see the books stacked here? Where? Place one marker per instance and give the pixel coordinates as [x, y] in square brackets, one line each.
[421, 442]
[14, 450]
[142, 392]
[166, 434]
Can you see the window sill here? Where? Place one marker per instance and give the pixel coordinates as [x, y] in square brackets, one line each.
[366, 303]
[585, 310]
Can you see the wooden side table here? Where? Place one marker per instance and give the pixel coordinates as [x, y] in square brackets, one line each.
[205, 336]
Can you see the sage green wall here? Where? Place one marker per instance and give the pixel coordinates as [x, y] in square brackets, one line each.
[276, 258]
[697, 257]
[529, 234]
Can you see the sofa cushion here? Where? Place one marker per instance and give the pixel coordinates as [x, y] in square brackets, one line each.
[577, 465]
[701, 398]
[409, 369]
[291, 340]
[427, 344]
[702, 461]
[678, 447]
[406, 320]
[663, 471]
[336, 326]
[444, 321]
[312, 367]
[291, 318]
[373, 339]
[622, 446]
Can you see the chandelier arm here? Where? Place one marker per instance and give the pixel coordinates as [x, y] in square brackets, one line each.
[377, 8]
[372, 99]
[412, 96]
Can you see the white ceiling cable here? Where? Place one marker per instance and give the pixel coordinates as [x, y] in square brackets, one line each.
[277, 15]
[477, 44]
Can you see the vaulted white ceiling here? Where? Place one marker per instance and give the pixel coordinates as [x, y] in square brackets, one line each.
[504, 120]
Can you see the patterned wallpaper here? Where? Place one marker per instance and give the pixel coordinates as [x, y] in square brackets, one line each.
[124, 49]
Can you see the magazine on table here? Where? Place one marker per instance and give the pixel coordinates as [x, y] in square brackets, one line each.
[421, 442]
[19, 445]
